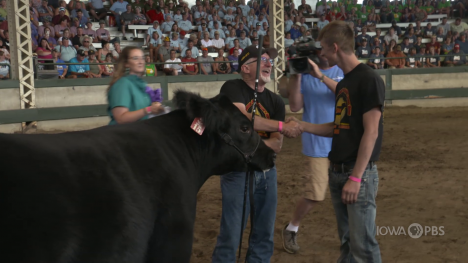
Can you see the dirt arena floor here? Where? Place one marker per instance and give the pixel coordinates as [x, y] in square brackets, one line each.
[423, 179]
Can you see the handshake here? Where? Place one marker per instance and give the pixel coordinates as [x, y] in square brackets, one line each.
[292, 128]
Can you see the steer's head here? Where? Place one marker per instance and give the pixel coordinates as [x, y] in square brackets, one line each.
[235, 143]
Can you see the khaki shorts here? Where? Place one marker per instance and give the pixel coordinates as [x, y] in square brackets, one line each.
[315, 178]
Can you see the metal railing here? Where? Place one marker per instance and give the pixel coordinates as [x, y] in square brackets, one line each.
[39, 65]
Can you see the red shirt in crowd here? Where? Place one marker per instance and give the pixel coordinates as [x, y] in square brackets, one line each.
[155, 16]
[189, 66]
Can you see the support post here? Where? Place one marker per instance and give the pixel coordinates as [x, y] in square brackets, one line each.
[277, 38]
[22, 67]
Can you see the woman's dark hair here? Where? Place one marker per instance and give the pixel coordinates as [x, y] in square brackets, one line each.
[44, 39]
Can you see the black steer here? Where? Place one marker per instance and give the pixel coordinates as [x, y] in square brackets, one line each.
[124, 193]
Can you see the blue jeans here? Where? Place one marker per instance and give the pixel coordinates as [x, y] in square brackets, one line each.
[265, 199]
[356, 222]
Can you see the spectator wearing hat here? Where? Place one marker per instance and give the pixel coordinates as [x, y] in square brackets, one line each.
[433, 60]
[97, 10]
[399, 61]
[190, 67]
[412, 60]
[295, 31]
[94, 70]
[165, 51]
[321, 23]
[185, 24]
[45, 11]
[190, 46]
[259, 30]
[57, 19]
[117, 8]
[202, 28]
[456, 57]
[82, 69]
[364, 50]
[153, 45]
[363, 36]
[86, 45]
[223, 67]
[244, 41]
[173, 69]
[462, 42]
[46, 24]
[376, 60]
[206, 68]
[240, 29]
[458, 26]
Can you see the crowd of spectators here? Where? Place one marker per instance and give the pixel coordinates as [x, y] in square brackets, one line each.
[181, 33]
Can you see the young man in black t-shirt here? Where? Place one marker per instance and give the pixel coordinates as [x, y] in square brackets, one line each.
[357, 140]
[269, 124]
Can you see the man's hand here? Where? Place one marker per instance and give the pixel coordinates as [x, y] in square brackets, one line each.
[350, 192]
[315, 69]
[292, 128]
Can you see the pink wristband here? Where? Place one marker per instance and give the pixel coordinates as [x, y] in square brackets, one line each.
[148, 110]
[352, 178]
[280, 126]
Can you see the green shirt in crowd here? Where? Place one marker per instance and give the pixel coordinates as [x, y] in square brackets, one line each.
[150, 70]
[129, 92]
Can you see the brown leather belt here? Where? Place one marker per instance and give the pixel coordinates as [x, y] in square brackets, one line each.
[347, 167]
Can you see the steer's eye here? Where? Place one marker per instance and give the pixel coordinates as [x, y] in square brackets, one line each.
[245, 129]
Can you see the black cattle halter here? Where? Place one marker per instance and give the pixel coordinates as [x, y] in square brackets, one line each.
[247, 156]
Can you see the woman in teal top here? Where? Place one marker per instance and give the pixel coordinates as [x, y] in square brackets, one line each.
[127, 97]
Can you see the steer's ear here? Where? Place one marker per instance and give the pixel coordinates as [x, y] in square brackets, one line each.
[197, 107]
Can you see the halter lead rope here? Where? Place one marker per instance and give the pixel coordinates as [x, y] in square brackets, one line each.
[250, 174]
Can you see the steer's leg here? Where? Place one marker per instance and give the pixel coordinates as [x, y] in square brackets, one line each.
[173, 235]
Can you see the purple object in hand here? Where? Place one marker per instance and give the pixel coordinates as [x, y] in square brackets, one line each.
[155, 95]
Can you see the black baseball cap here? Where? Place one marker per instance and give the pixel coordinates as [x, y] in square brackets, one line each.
[252, 52]
[81, 52]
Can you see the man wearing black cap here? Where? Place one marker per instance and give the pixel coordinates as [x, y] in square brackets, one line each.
[80, 71]
[269, 124]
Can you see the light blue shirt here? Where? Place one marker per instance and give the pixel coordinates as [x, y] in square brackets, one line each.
[319, 107]
[185, 25]
[287, 25]
[119, 7]
[79, 68]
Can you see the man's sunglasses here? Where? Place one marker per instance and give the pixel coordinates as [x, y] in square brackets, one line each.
[264, 61]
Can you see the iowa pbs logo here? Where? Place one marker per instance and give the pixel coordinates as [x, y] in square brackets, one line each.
[415, 230]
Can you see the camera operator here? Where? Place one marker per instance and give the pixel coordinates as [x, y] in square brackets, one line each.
[318, 101]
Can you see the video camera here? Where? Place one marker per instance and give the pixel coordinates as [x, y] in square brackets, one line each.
[304, 50]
